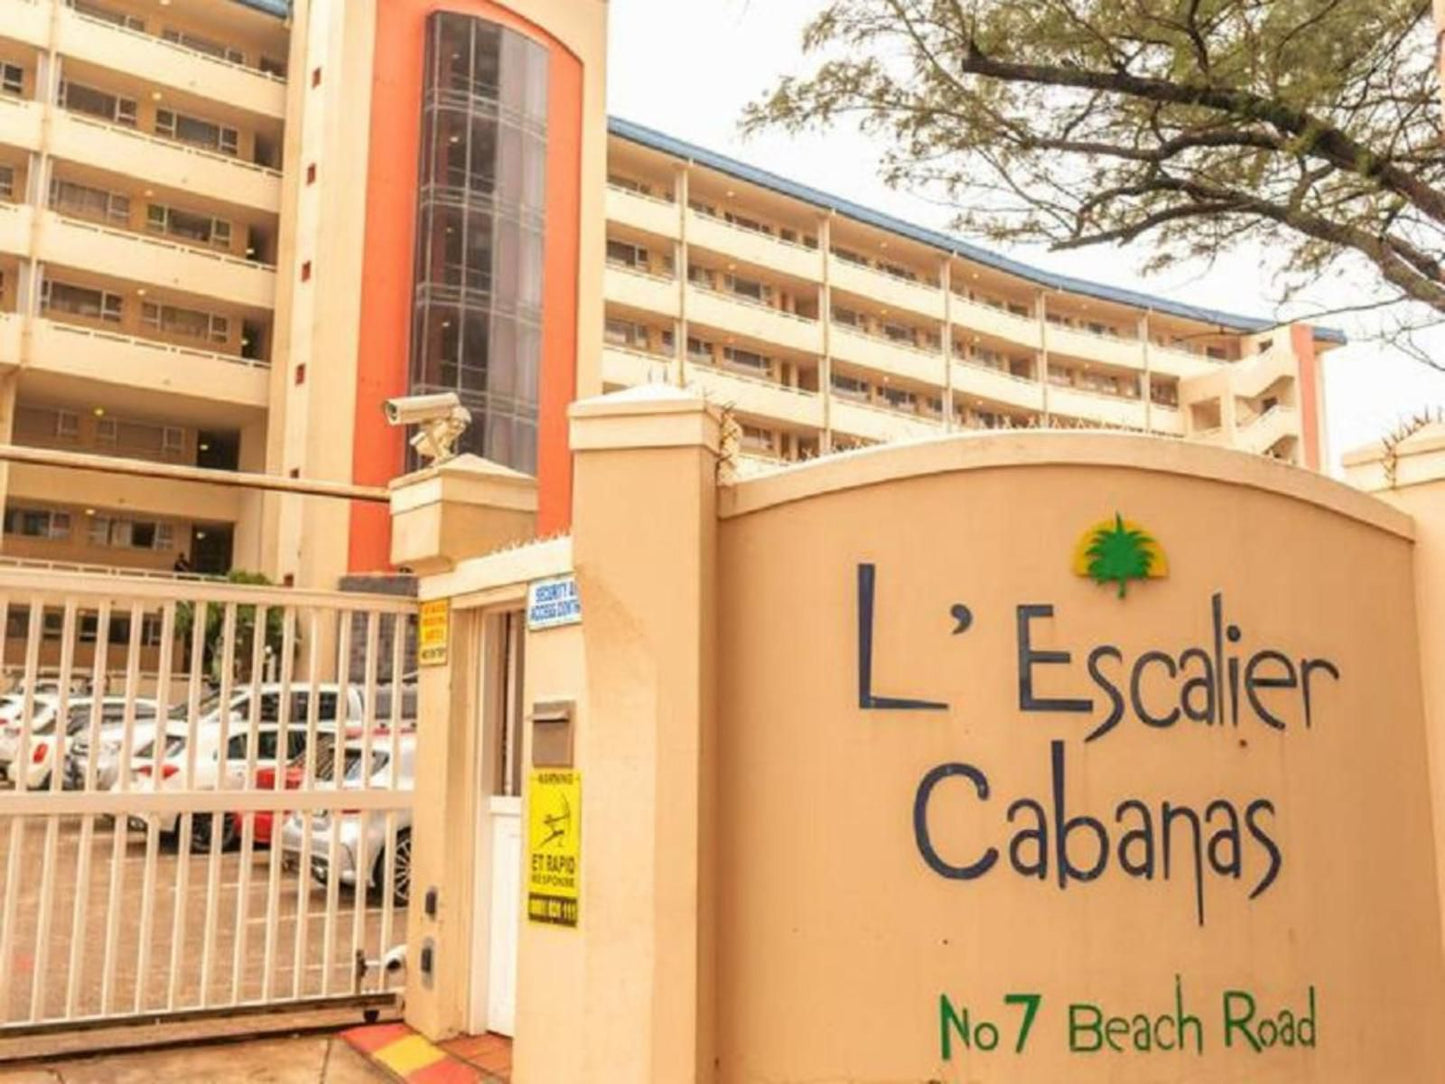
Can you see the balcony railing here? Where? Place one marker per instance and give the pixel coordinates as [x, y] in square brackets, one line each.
[185, 50]
[754, 231]
[624, 190]
[728, 295]
[151, 344]
[128, 571]
[161, 243]
[902, 344]
[630, 269]
[971, 363]
[750, 378]
[172, 144]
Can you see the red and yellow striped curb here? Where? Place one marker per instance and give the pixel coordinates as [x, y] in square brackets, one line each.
[409, 1057]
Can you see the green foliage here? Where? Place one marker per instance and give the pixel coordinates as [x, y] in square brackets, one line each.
[1310, 126]
[1117, 555]
[245, 628]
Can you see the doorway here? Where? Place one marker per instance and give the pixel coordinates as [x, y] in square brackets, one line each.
[497, 892]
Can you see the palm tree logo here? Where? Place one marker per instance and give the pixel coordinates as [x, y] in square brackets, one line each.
[1119, 552]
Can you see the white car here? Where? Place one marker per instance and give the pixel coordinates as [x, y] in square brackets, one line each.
[350, 825]
[214, 766]
[46, 747]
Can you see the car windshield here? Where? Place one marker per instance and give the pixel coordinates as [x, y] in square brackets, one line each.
[147, 750]
[208, 706]
[354, 762]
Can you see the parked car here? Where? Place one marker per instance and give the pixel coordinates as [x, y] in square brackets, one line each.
[108, 750]
[294, 777]
[328, 707]
[350, 826]
[47, 748]
[216, 766]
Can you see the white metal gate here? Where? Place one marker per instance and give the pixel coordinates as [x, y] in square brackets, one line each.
[173, 837]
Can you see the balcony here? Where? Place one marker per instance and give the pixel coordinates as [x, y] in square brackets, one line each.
[755, 395]
[27, 21]
[752, 319]
[640, 290]
[1181, 363]
[163, 497]
[90, 354]
[886, 289]
[647, 213]
[1106, 349]
[1166, 420]
[170, 64]
[754, 247]
[1092, 406]
[165, 162]
[878, 423]
[9, 340]
[630, 368]
[140, 257]
[880, 354]
[986, 382]
[15, 219]
[989, 320]
[758, 396]
[20, 122]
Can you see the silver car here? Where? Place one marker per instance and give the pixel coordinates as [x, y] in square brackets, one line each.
[349, 826]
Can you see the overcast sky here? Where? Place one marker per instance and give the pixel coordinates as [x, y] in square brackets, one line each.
[687, 67]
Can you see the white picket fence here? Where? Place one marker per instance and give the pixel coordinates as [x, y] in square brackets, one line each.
[180, 844]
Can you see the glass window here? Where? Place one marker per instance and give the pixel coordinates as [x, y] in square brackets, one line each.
[97, 103]
[109, 15]
[12, 78]
[80, 301]
[7, 182]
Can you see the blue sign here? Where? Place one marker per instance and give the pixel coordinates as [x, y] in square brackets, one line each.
[553, 602]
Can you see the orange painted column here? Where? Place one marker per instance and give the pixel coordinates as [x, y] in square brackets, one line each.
[384, 353]
[1311, 394]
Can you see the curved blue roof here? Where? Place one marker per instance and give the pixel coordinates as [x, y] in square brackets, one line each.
[648, 137]
[279, 8]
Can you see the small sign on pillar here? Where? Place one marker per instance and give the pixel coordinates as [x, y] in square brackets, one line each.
[554, 845]
[433, 633]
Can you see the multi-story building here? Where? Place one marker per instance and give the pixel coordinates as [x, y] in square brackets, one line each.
[229, 229]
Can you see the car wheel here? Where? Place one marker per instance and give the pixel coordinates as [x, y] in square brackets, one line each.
[401, 887]
[201, 832]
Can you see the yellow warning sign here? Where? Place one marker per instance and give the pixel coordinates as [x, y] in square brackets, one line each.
[554, 846]
[433, 633]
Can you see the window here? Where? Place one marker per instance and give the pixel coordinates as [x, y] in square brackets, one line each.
[192, 323]
[204, 45]
[480, 229]
[846, 317]
[173, 440]
[624, 254]
[81, 200]
[751, 289]
[116, 18]
[272, 66]
[80, 301]
[38, 523]
[189, 226]
[747, 359]
[756, 439]
[850, 386]
[97, 103]
[7, 182]
[700, 350]
[67, 425]
[12, 78]
[616, 180]
[197, 132]
[106, 431]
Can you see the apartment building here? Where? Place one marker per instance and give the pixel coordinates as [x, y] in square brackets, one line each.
[140, 181]
[229, 229]
[827, 325]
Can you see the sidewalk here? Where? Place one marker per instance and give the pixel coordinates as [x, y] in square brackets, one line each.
[312, 1059]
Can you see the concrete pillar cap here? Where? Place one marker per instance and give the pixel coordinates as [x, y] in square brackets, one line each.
[647, 416]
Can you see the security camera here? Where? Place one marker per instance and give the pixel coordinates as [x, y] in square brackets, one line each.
[394, 960]
[442, 420]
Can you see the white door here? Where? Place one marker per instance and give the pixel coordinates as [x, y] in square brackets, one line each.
[506, 913]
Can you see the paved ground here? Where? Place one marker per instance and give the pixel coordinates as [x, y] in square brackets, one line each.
[111, 932]
[305, 1060]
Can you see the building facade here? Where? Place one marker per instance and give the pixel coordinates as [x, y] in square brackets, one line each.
[230, 229]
